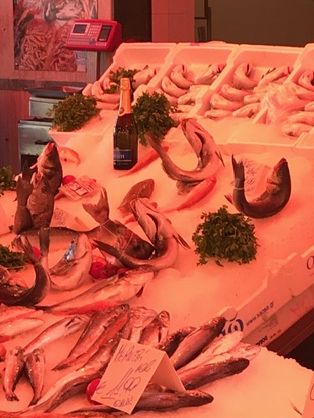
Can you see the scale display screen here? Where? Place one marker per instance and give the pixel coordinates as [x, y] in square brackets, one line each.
[94, 35]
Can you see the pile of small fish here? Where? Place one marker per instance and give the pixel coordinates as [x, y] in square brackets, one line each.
[182, 85]
[200, 355]
[106, 91]
[243, 95]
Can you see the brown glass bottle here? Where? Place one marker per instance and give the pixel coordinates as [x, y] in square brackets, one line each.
[125, 138]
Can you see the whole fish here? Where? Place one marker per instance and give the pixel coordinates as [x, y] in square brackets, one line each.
[171, 88]
[274, 74]
[12, 327]
[232, 93]
[271, 201]
[143, 188]
[217, 114]
[306, 79]
[217, 101]
[301, 92]
[59, 329]
[8, 313]
[157, 400]
[179, 75]
[74, 266]
[143, 76]
[121, 288]
[172, 342]
[241, 77]
[49, 165]
[295, 129]
[22, 217]
[209, 158]
[140, 317]
[13, 368]
[74, 382]
[209, 74]
[196, 341]
[253, 98]
[156, 331]
[203, 374]
[247, 111]
[188, 98]
[14, 294]
[40, 202]
[160, 232]
[94, 328]
[35, 371]
[306, 117]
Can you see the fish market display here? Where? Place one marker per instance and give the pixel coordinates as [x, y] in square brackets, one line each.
[272, 200]
[35, 370]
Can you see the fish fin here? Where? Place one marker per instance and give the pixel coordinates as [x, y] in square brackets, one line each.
[182, 242]
[238, 168]
[44, 241]
[23, 244]
[102, 246]
[100, 210]
[140, 292]
[229, 198]
[219, 155]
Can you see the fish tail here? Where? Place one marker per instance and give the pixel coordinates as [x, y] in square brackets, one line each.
[23, 190]
[229, 198]
[44, 241]
[34, 400]
[23, 243]
[238, 169]
[219, 155]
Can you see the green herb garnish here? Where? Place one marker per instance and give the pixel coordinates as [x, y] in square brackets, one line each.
[112, 89]
[73, 112]
[115, 76]
[7, 181]
[152, 116]
[225, 236]
[11, 259]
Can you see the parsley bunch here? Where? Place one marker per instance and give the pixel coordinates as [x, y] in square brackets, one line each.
[7, 181]
[225, 236]
[152, 116]
[115, 76]
[73, 112]
[11, 259]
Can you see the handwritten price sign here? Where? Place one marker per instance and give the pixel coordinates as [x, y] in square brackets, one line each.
[128, 373]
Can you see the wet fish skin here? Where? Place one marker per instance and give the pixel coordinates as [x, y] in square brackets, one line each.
[17, 295]
[35, 370]
[94, 328]
[59, 329]
[14, 364]
[16, 326]
[196, 341]
[48, 164]
[203, 374]
[143, 188]
[156, 331]
[140, 317]
[272, 200]
[22, 217]
[173, 340]
[40, 202]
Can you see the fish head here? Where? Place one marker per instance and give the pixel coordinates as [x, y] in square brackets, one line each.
[49, 159]
[280, 176]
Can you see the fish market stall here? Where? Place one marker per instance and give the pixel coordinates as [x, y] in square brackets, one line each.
[129, 257]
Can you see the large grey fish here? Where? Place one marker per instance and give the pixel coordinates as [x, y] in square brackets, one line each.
[48, 164]
[106, 293]
[157, 400]
[22, 217]
[140, 317]
[59, 329]
[271, 201]
[196, 341]
[35, 371]
[76, 381]
[73, 268]
[14, 364]
[203, 374]
[173, 340]
[143, 188]
[94, 328]
[203, 144]
[12, 293]
[156, 332]
[160, 232]
[40, 202]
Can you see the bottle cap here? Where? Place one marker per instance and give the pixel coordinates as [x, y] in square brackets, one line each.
[125, 83]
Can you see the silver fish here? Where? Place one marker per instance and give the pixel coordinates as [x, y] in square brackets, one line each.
[16, 326]
[74, 266]
[49, 165]
[217, 114]
[208, 155]
[161, 233]
[271, 201]
[241, 77]
[143, 76]
[59, 329]
[306, 79]
[35, 370]
[203, 374]
[179, 75]
[217, 101]
[295, 129]
[232, 93]
[14, 364]
[253, 98]
[196, 341]
[306, 117]
[247, 111]
[156, 332]
[172, 342]
[94, 328]
[13, 294]
[8, 313]
[107, 293]
[209, 74]
[140, 317]
[171, 88]
[274, 74]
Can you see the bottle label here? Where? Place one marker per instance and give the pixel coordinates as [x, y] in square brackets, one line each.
[122, 155]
